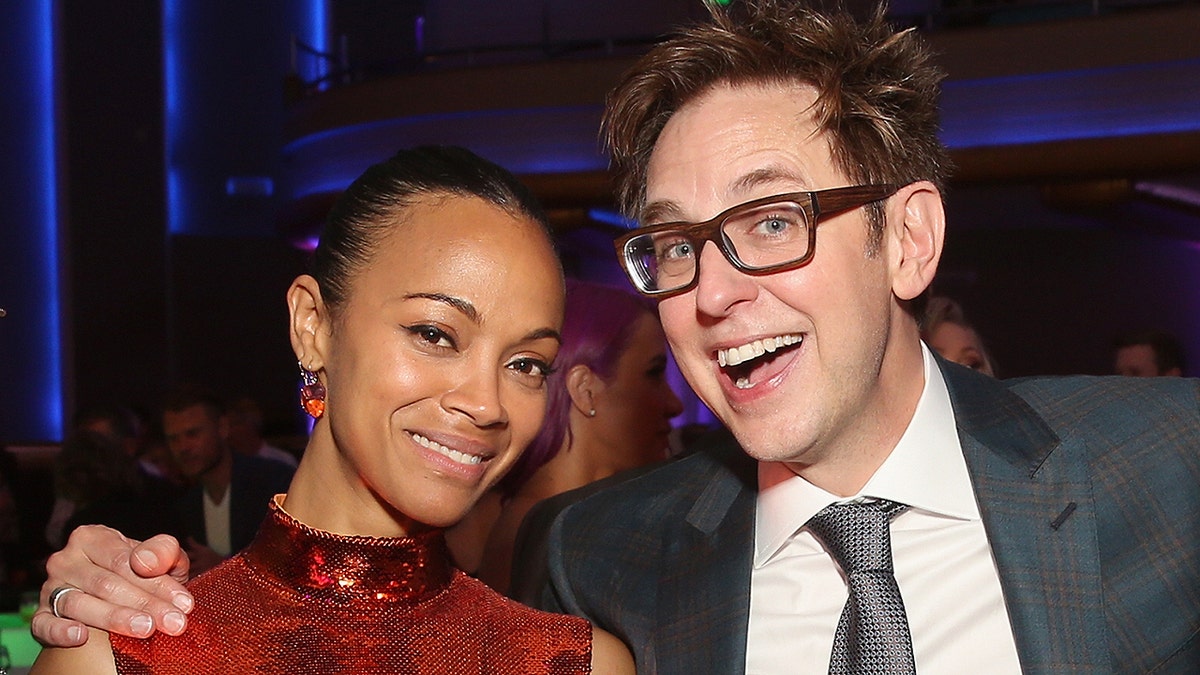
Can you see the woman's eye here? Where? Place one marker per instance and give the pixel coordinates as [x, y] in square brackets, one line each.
[433, 335]
[532, 367]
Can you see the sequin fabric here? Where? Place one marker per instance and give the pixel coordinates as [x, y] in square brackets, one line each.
[299, 600]
[872, 636]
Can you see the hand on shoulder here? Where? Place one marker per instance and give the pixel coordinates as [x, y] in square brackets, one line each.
[124, 586]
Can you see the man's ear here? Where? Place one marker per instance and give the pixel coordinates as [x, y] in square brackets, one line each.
[916, 227]
[581, 384]
[310, 321]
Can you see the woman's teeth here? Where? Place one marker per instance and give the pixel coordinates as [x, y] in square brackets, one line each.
[460, 457]
[736, 355]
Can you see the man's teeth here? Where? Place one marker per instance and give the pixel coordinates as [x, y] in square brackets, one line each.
[460, 457]
[735, 355]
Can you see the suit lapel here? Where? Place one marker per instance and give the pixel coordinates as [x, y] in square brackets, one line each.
[1036, 503]
[704, 584]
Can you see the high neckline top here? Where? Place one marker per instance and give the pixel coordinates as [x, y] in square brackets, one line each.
[302, 600]
[341, 569]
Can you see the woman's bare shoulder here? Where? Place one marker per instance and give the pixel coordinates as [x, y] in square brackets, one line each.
[610, 656]
[94, 657]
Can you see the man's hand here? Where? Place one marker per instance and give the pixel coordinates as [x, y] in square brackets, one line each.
[125, 587]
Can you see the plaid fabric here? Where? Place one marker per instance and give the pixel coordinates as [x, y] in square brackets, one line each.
[1089, 489]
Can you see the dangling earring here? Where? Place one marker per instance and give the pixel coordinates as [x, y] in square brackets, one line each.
[312, 393]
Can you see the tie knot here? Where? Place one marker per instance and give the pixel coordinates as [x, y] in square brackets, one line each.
[857, 535]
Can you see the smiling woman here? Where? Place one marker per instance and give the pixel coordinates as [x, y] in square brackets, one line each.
[430, 323]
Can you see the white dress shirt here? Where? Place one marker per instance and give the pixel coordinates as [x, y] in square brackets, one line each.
[216, 523]
[943, 563]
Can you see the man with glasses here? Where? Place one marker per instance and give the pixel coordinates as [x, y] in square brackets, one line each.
[881, 510]
[786, 174]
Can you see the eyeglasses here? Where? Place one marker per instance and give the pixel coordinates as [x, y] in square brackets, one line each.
[759, 237]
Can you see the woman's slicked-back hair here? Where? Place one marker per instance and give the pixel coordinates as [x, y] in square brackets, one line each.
[597, 327]
[375, 204]
[877, 89]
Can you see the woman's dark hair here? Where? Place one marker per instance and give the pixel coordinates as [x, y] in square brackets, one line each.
[376, 202]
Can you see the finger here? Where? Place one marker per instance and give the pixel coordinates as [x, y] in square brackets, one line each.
[115, 618]
[159, 555]
[126, 611]
[112, 596]
[163, 598]
[51, 631]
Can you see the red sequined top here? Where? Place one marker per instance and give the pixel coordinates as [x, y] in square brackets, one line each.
[299, 600]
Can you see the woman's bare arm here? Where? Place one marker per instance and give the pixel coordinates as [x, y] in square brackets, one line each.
[610, 656]
[93, 658]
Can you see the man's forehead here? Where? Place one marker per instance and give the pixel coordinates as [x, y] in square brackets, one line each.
[194, 414]
[770, 179]
[735, 143]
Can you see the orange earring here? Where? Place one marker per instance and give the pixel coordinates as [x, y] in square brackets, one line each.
[312, 393]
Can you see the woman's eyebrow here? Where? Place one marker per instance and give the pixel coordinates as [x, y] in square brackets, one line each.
[457, 303]
[471, 313]
[544, 333]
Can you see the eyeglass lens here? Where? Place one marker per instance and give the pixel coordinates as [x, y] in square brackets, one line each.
[760, 237]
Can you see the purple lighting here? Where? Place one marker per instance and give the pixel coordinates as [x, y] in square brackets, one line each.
[1108, 102]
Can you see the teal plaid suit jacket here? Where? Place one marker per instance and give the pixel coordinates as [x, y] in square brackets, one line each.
[1089, 489]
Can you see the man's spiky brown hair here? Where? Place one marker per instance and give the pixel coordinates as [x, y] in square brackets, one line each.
[877, 89]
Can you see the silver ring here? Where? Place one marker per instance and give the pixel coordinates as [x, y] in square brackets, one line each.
[56, 595]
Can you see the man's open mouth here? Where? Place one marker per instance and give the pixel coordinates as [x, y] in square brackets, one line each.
[750, 363]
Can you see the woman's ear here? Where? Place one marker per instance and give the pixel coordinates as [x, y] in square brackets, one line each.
[917, 231]
[581, 384]
[309, 327]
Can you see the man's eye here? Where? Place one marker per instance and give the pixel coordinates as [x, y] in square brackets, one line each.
[774, 227]
[675, 249]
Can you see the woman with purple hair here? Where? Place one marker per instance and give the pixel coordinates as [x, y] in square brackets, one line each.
[609, 409]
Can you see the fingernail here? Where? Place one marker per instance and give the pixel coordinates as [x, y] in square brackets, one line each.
[75, 634]
[182, 600]
[172, 622]
[141, 625]
[147, 558]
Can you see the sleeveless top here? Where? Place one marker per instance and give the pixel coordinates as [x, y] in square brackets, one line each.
[300, 600]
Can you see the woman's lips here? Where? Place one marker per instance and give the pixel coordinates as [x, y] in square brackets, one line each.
[455, 455]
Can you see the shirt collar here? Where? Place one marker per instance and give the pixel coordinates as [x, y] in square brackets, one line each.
[926, 470]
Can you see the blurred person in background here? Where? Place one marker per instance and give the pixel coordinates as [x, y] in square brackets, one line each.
[946, 330]
[229, 493]
[106, 485]
[1149, 353]
[126, 430]
[609, 410]
[245, 432]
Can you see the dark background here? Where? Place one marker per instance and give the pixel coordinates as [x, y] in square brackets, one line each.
[1052, 247]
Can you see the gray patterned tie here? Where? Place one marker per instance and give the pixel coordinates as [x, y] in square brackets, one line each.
[872, 634]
